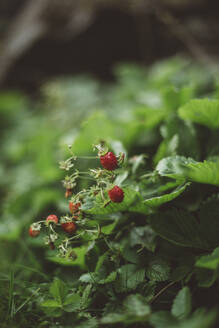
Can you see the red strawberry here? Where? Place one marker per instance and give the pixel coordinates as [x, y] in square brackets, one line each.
[52, 218]
[68, 193]
[69, 227]
[116, 194]
[109, 161]
[34, 231]
[74, 207]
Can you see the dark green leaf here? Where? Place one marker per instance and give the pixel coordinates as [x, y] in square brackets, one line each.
[182, 306]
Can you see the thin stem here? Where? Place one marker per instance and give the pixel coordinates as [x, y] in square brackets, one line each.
[162, 291]
[74, 237]
[87, 157]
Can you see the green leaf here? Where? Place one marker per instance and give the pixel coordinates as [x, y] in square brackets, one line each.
[206, 277]
[52, 308]
[58, 290]
[107, 229]
[130, 254]
[130, 196]
[135, 309]
[202, 111]
[137, 306]
[145, 206]
[149, 117]
[80, 253]
[113, 318]
[159, 200]
[72, 302]
[179, 167]
[182, 304]
[208, 217]
[158, 270]
[206, 172]
[162, 319]
[97, 127]
[210, 261]
[51, 304]
[130, 276]
[174, 166]
[178, 227]
[90, 323]
[143, 236]
[200, 319]
[86, 297]
[110, 278]
[89, 277]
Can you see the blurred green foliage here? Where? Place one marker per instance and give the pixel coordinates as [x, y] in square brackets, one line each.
[149, 111]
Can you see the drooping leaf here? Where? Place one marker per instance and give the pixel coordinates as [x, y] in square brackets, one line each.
[145, 206]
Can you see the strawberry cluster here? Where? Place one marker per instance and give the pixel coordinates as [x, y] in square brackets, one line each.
[103, 187]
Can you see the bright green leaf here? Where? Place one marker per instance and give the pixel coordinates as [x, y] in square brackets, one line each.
[202, 111]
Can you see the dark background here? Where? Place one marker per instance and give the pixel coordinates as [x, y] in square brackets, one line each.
[43, 39]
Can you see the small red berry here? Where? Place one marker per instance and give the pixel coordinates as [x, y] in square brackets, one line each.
[74, 207]
[52, 218]
[116, 194]
[69, 227]
[68, 193]
[109, 161]
[33, 232]
[52, 246]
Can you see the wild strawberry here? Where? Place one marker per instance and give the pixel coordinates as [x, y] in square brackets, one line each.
[52, 246]
[68, 193]
[74, 207]
[34, 230]
[69, 227]
[116, 194]
[52, 218]
[109, 161]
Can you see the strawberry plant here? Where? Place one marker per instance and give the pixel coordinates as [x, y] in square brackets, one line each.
[130, 236]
